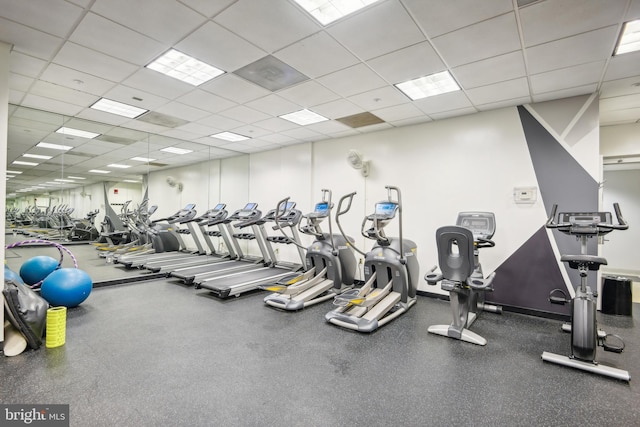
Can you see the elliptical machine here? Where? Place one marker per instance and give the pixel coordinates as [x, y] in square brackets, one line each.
[391, 271]
[330, 262]
[585, 335]
[462, 273]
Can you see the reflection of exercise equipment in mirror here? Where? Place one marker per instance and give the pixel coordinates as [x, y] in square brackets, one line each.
[390, 268]
[331, 264]
[585, 335]
[461, 273]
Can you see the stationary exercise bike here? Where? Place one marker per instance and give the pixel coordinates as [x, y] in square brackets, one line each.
[458, 257]
[585, 336]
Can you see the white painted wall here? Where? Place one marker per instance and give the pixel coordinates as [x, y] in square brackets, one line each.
[622, 140]
[621, 247]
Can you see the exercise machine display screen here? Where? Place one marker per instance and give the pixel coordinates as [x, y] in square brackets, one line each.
[386, 209]
[189, 207]
[322, 208]
[219, 207]
[476, 224]
[585, 218]
[287, 207]
[250, 206]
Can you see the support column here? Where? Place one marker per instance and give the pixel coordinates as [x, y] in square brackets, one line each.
[5, 50]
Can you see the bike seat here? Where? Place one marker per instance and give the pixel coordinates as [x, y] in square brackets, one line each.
[592, 262]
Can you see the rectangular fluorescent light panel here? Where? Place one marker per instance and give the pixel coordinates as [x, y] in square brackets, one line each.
[327, 11]
[176, 150]
[434, 84]
[630, 39]
[77, 132]
[75, 177]
[116, 165]
[304, 117]
[15, 172]
[54, 146]
[131, 180]
[115, 107]
[185, 68]
[37, 156]
[229, 136]
[98, 171]
[142, 159]
[18, 162]
[63, 180]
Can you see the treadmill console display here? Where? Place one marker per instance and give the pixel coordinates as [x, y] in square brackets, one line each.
[287, 207]
[386, 210]
[189, 207]
[250, 206]
[219, 207]
[322, 208]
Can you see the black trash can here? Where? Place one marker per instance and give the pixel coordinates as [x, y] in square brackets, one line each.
[616, 296]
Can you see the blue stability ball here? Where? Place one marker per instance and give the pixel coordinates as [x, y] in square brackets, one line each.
[37, 268]
[9, 274]
[66, 287]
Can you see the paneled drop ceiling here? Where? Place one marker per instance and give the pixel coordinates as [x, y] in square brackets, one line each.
[68, 54]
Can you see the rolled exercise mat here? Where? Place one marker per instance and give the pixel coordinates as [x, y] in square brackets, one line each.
[56, 327]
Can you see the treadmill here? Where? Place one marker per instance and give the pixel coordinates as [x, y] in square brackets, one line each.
[215, 216]
[248, 216]
[226, 285]
[183, 216]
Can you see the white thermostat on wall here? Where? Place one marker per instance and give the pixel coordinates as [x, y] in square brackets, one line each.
[525, 195]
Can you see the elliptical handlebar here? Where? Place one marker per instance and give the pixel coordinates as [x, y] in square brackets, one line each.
[278, 214]
[622, 224]
[484, 243]
[391, 188]
[340, 211]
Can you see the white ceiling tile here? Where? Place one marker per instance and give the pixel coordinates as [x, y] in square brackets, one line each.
[620, 102]
[417, 61]
[29, 41]
[551, 20]
[374, 128]
[439, 17]
[206, 101]
[277, 138]
[244, 114]
[301, 134]
[620, 87]
[182, 111]
[504, 104]
[20, 83]
[200, 129]
[251, 131]
[276, 124]
[235, 88]
[328, 127]
[219, 47]
[105, 36]
[379, 98]
[126, 94]
[483, 40]
[380, 29]
[101, 116]
[565, 93]
[491, 70]
[145, 126]
[157, 83]
[48, 104]
[208, 8]
[619, 117]
[453, 113]
[77, 80]
[63, 94]
[25, 65]
[510, 89]
[308, 94]
[338, 108]
[587, 47]
[579, 75]
[411, 121]
[91, 62]
[181, 134]
[621, 66]
[165, 20]
[352, 80]
[219, 122]
[445, 102]
[317, 55]
[273, 105]
[55, 17]
[398, 112]
[271, 25]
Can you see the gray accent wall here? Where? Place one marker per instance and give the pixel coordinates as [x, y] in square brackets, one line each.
[525, 279]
